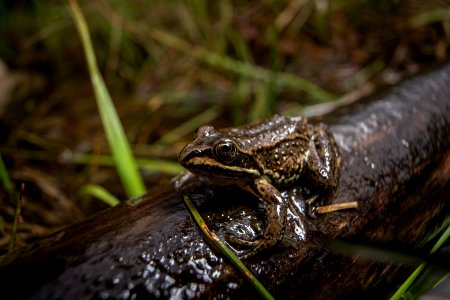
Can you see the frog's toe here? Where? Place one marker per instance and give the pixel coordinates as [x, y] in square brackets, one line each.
[244, 253]
[234, 240]
[311, 207]
[252, 247]
[312, 211]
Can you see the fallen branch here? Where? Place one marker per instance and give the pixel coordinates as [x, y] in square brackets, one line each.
[396, 165]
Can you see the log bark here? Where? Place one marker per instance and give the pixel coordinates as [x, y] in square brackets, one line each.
[395, 148]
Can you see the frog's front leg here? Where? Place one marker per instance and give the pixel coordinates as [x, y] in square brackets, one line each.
[276, 211]
[323, 164]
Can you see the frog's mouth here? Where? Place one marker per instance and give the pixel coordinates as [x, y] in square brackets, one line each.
[207, 167]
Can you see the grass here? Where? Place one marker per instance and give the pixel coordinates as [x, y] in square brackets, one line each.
[125, 161]
[216, 243]
[224, 62]
[17, 214]
[423, 279]
[9, 188]
[100, 193]
[4, 177]
[242, 61]
[118, 144]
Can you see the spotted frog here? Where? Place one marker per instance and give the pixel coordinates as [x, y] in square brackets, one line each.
[262, 158]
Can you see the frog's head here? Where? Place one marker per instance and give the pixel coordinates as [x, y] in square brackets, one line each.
[219, 156]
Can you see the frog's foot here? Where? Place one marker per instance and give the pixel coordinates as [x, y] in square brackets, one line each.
[276, 211]
[254, 246]
[233, 240]
[311, 207]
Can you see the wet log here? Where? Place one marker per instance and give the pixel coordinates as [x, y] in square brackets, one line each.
[396, 164]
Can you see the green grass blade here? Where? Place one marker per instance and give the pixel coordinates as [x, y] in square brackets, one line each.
[153, 165]
[421, 280]
[428, 279]
[100, 193]
[214, 240]
[120, 149]
[157, 165]
[442, 239]
[402, 290]
[6, 181]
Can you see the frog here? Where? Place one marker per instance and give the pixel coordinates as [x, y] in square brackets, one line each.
[263, 158]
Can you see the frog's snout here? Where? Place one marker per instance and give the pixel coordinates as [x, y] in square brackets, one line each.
[188, 152]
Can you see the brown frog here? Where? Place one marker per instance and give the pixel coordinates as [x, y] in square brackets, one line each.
[263, 157]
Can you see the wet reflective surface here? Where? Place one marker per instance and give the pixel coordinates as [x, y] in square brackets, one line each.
[395, 150]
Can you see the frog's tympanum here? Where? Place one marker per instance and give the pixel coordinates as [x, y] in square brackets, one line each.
[263, 157]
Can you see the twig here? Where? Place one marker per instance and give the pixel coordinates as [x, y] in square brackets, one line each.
[336, 207]
[12, 243]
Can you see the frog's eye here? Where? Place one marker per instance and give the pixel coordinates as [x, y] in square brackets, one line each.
[225, 151]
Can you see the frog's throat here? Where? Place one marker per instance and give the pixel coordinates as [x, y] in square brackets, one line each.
[203, 163]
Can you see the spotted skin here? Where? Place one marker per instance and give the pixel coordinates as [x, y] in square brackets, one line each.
[262, 158]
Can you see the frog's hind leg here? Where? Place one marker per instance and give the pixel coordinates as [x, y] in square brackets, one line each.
[276, 207]
[323, 160]
[323, 167]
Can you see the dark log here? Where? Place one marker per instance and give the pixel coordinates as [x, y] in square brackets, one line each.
[396, 164]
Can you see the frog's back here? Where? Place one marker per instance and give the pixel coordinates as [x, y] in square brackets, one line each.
[269, 133]
[279, 144]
